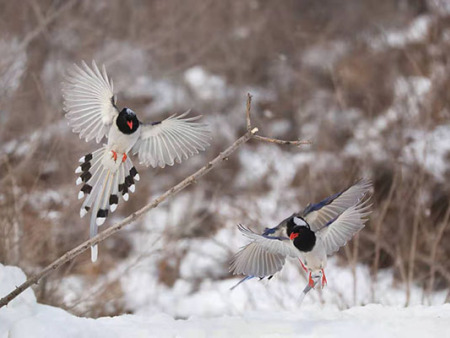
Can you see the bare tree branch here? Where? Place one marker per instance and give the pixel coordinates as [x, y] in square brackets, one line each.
[138, 214]
[277, 141]
[248, 109]
[44, 22]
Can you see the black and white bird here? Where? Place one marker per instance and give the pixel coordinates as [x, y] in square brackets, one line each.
[108, 173]
[311, 235]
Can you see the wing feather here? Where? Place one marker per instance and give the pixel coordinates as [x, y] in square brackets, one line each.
[265, 254]
[172, 140]
[339, 231]
[88, 101]
[252, 260]
[318, 215]
[278, 245]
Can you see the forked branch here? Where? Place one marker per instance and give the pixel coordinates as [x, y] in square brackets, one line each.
[153, 204]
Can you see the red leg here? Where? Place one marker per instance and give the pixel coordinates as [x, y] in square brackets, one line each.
[114, 155]
[303, 265]
[310, 281]
[124, 157]
[324, 279]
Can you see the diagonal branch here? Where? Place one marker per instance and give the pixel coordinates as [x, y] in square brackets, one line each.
[138, 214]
[277, 141]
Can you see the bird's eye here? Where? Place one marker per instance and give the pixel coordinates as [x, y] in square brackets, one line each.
[299, 221]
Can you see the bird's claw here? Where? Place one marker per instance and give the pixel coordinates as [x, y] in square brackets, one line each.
[313, 280]
[324, 279]
[114, 156]
[303, 265]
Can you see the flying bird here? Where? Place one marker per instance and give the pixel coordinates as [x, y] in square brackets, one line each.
[311, 236]
[108, 173]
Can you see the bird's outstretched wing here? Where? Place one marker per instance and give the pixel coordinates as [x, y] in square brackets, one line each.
[262, 257]
[318, 215]
[339, 231]
[89, 101]
[171, 140]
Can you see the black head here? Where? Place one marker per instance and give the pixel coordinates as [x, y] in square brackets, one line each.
[300, 232]
[127, 121]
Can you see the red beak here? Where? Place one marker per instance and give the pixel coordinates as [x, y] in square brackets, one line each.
[130, 124]
[293, 235]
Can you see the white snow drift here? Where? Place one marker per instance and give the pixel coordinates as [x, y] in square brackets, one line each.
[24, 317]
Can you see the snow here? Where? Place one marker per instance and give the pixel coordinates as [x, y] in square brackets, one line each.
[164, 93]
[416, 32]
[324, 55]
[23, 317]
[206, 86]
[410, 95]
[432, 149]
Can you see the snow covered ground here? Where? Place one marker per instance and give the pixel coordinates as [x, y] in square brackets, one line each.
[24, 317]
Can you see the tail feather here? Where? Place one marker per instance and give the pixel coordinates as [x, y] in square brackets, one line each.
[121, 185]
[246, 278]
[92, 188]
[103, 180]
[95, 219]
[127, 179]
[114, 197]
[93, 230]
[94, 253]
[103, 198]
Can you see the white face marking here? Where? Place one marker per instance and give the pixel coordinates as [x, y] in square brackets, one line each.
[299, 221]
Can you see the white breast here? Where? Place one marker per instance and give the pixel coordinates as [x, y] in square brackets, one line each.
[120, 142]
[316, 259]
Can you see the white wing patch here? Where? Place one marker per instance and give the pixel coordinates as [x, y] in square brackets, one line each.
[299, 221]
[88, 100]
[172, 140]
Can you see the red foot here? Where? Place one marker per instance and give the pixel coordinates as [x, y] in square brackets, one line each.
[324, 279]
[310, 281]
[114, 155]
[303, 265]
[124, 157]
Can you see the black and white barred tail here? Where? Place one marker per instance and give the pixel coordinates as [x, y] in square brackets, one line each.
[104, 181]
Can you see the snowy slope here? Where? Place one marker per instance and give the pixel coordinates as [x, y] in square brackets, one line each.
[25, 318]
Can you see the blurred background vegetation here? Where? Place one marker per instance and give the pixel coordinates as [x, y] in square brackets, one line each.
[367, 81]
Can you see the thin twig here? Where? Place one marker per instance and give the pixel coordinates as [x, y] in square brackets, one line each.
[414, 238]
[45, 22]
[277, 141]
[247, 111]
[136, 215]
[440, 232]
